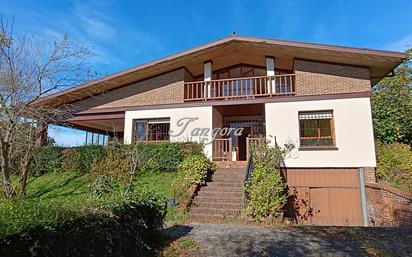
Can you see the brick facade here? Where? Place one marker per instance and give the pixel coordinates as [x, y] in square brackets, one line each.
[163, 89]
[317, 78]
[388, 207]
[369, 173]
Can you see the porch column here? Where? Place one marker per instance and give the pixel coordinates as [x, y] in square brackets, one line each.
[207, 72]
[41, 134]
[270, 71]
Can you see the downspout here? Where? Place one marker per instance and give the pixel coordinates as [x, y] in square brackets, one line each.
[363, 197]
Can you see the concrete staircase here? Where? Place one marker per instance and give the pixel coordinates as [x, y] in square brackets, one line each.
[221, 199]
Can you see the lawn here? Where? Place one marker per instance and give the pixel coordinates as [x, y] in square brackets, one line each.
[72, 187]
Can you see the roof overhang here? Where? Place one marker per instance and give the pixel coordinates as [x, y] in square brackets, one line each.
[244, 49]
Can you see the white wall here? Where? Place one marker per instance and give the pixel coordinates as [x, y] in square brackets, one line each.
[353, 132]
[204, 115]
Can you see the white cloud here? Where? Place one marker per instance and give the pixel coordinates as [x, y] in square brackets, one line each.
[94, 22]
[401, 45]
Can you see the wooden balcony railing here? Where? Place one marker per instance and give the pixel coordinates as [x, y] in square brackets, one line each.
[222, 149]
[248, 87]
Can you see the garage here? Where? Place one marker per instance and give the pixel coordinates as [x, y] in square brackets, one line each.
[330, 197]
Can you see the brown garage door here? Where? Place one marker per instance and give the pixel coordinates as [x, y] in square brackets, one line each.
[326, 196]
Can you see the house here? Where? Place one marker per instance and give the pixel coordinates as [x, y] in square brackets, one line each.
[315, 96]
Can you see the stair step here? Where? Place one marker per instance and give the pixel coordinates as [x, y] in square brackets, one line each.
[222, 189]
[226, 180]
[224, 184]
[218, 205]
[215, 217]
[230, 163]
[228, 175]
[221, 211]
[214, 193]
[219, 199]
[230, 170]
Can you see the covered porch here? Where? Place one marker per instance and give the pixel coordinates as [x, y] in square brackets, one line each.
[100, 128]
[244, 124]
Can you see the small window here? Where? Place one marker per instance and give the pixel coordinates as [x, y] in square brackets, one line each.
[316, 129]
[151, 130]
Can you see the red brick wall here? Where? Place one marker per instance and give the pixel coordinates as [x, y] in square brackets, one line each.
[388, 207]
[163, 89]
[369, 173]
[318, 78]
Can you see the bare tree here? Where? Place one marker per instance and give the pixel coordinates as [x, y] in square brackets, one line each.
[30, 70]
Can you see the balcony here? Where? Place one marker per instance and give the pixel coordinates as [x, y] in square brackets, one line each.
[235, 88]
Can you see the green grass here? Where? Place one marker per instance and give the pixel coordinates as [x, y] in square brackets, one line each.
[56, 185]
[71, 190]
[161, 183]
[56, 196]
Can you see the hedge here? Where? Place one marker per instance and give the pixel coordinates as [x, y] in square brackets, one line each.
[120, 225]
[394, 164]
[158, 157]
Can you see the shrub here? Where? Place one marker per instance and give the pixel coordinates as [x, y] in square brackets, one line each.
[101, 186]
[120, 225]
[86, 155]
[69, 159]
[116, 164]
[153, 157]
[266, 190]
[394, 164]
[46, 159]
[194, 169]
[191, 148]
[159, 157]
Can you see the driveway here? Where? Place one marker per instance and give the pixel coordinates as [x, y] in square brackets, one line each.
[240, 240]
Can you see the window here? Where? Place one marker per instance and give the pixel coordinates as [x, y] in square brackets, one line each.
[316, 129]
[96, 139]
[151, 130]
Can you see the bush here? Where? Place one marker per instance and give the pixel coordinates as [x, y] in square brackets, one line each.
[159, 157]
[153, 157]
[46, 159]
[266, 189]
[394, 164]
[86, 155]
[194, 169]
[69, 159]
[120, 225]
[191, 148]
[116, 164]
[101, 186]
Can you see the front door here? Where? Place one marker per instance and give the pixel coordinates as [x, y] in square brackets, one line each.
[241, 144]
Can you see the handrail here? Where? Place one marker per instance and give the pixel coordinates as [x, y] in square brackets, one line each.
[249, 169]
[278, 85]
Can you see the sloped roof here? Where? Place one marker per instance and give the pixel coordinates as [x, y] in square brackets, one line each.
[379, 62]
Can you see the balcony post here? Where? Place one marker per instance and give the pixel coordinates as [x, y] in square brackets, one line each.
[207, 71]
[270, 71]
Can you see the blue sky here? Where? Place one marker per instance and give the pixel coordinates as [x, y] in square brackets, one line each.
[127, 33]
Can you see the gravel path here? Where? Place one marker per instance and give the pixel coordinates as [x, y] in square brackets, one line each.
[238, 240]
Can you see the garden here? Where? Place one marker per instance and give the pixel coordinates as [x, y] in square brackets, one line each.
[99, 201]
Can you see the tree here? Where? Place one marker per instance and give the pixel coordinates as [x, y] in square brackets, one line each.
[30, 70]
[392, 105]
